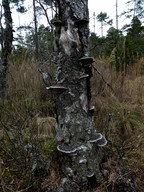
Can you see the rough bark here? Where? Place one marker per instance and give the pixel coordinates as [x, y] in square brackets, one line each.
[77, 140]
[7, 47]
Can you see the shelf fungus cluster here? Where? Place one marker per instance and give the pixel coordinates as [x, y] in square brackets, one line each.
[76, 137]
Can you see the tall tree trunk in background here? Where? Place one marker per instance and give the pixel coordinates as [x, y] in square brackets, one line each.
[7, 46]
[36, 30]
[1, 27]
[77, 140]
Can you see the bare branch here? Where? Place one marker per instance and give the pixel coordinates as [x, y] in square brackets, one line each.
[45, 11]
[106, 83]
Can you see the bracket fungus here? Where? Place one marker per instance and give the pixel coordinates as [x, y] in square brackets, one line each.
[91, 109]
[84, 76]
[57, 88]
[95, 137]
[81, 22]
[102, 142]
[89, 173]
[66, 149]
[56, 22]
[86, 60]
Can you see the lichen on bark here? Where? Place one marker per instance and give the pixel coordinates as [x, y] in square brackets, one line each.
[77, 139]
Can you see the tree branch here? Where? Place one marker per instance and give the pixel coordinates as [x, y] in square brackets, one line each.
[106, 83]
[45, 11]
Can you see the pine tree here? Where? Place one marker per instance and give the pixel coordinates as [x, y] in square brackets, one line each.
[103, 18]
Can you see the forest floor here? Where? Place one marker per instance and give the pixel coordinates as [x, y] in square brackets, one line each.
[29, 162]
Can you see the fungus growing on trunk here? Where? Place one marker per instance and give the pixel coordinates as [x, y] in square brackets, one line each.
[89, 173]
[84, 76]
[66, 149]
[56, 22]
[86, 61]
[102, 142]
[91, 109]
[57, 88]
[81, 22]
[95, 137]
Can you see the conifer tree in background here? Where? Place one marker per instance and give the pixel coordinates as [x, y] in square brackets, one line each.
[103, 18]
[6, 42]
[136, 9]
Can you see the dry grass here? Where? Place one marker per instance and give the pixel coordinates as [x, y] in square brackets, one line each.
[26, 88]
[126, 88]
[25, 100]
[120, 115]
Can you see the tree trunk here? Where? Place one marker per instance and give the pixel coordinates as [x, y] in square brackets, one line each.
[7, 47]
[36, 31]
[77, 140]
[1, 28]
[102, 29]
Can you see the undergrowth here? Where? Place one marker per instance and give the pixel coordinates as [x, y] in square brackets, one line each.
[119, 114]
[27, 162]
[23, 161]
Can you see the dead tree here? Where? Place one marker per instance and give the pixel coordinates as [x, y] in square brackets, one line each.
[35, 30]
[77, 139]
[7, 45]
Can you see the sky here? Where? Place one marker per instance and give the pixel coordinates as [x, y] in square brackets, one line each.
[108, 6]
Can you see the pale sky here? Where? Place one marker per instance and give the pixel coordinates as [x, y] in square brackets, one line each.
[108, 6]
